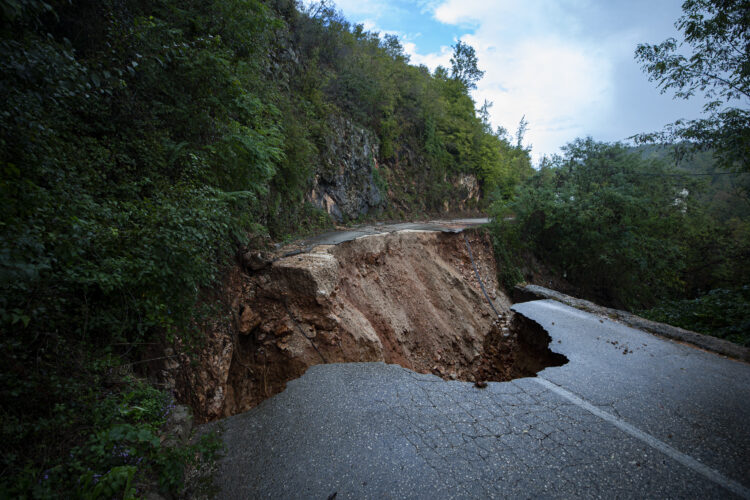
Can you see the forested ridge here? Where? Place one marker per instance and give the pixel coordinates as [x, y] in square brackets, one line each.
[144, 144]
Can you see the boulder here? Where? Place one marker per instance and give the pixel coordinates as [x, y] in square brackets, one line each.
[179, 426]
[309, 275]
[255, 260]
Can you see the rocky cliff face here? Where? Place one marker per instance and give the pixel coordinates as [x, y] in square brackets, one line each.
[350, 182]
[345, 185]
[466, 197]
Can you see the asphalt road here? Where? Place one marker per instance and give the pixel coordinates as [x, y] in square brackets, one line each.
[630, 415]
[340, 236]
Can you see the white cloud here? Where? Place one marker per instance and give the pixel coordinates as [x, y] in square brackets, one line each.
[433, 60]
[567, 65]
[511, 16]
[560, 87]
[534, 66]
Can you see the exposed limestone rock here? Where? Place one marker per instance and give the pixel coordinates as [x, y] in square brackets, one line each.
[249, 320]
[466, 196]
[200, 379]
[345, 185]
[179, 426]
[255, 260]
[470, 191]
[308, 275]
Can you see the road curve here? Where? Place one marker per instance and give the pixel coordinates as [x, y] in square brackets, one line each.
[342, 235]
[630, 415]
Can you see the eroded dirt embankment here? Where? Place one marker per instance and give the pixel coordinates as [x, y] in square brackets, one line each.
[409, 297]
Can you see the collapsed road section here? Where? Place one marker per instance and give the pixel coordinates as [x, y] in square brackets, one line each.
[409, 297]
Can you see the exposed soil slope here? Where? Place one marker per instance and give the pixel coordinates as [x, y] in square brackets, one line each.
[409, 297]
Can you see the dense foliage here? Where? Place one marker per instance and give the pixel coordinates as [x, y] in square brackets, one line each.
[629, 228]
[722, 313]
[141, 145]
[427, 124]
[663, 226]
[133, 145]
[599, 218]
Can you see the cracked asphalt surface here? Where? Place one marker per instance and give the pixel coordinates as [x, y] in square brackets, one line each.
[341, 236]
[630, 415]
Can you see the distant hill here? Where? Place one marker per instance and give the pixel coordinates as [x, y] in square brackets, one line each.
[727, 194]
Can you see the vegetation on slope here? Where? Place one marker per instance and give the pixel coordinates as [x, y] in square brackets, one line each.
[635, 233]
[141, 145]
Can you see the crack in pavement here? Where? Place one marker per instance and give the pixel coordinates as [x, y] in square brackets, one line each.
[371, 430]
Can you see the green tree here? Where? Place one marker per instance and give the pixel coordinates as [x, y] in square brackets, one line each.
[464, 65]
[142, 144]
[597, 217]
[717, 42]
[135, 146]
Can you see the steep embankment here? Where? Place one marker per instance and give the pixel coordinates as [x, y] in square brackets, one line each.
[409, 297]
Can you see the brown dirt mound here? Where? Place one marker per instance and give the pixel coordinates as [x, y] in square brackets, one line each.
[409, 297]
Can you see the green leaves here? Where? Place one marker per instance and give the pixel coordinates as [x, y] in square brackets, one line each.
[723, 313]
[14, 10]
[129, 434]
[464, 65]
[140, 146]
[597, 217]
[117, 482]
[136, 146]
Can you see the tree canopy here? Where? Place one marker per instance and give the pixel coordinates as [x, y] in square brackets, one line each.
[599, 219]
[630, 228]
[464, 65]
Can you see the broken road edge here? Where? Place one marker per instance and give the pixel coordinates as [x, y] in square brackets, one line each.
[527, 293]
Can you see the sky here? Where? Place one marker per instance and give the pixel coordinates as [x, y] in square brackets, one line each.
[567, 66]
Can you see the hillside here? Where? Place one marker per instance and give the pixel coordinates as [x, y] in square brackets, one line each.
[725, 193]
[144, 146]
[634, 229]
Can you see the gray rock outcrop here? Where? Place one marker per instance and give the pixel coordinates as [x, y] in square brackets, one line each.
[344, 185]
